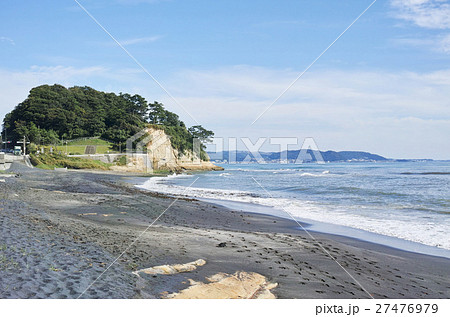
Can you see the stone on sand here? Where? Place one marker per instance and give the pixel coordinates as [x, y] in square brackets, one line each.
[226, 286]
[172, 269]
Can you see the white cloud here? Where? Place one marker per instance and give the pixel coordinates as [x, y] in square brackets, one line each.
[140, 40]
[415, 42]
[429, 14]
[403, 114]
[133, 41]
[7, 39]
[393, 114]
[432, 14]
[445, 43]
[440, 43]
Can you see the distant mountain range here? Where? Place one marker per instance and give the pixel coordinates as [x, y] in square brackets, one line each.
[292, 156]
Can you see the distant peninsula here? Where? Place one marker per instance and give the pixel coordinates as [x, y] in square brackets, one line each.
[292, 155]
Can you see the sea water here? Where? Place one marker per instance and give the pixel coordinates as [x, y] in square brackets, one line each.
[409, 201]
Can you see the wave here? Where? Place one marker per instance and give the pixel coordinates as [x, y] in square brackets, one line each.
[425, 173]
[310, 174]
[412, 226]
[324, 173]
[263, 170]
[159, 184]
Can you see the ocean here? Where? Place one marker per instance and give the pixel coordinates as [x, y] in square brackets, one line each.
[405, 205]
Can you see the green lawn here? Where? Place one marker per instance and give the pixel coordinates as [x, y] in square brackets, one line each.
[78, 147]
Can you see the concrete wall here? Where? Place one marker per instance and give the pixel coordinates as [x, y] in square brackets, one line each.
[108, 158]
[105, 158]
[136, 162]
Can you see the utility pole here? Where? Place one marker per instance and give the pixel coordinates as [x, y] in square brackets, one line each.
[24, 146]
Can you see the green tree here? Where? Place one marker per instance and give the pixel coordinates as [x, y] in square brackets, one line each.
[197, 131]
[156, 113]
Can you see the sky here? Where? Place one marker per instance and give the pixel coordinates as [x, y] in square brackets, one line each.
[382, 87]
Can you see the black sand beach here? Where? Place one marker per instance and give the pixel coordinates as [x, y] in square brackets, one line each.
[60, 230]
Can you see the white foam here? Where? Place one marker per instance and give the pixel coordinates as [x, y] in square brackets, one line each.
[263, 170]
[159, 184]
[310, 174]
[409, 226]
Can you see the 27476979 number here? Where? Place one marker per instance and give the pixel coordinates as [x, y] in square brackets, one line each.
[407, 308]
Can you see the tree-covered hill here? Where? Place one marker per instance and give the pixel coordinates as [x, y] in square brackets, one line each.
[52, 113]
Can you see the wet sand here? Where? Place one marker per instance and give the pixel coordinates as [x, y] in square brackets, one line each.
[60, 231]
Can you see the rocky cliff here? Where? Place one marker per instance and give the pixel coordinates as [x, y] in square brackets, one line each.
[161, 155]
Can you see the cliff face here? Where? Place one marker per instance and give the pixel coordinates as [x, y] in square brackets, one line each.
[162, 156]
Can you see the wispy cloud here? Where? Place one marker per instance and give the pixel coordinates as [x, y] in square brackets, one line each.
[392, 113]
[140, 40]
[445, 44]
[415, 42]
[438, 43]
[7, 39]
[280, 23]
[399, 94]
[133, 2]
[428, 14]
[432, 14]
[397, 114]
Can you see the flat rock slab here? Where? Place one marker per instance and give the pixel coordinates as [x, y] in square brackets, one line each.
[244, 285]
[172, 269]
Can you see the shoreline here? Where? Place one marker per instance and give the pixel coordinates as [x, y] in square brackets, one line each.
[339, 230]
[321, 227]
[72, 225]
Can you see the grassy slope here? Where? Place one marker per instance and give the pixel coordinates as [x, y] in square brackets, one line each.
[50, 161]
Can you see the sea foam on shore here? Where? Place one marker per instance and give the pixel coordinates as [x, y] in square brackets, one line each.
[355, 197]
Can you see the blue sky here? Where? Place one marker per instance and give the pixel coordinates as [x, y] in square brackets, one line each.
[383, 87]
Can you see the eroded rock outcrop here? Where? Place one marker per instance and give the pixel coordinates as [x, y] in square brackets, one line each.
[161, 155]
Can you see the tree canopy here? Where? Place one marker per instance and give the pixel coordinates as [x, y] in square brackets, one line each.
[51, 113]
